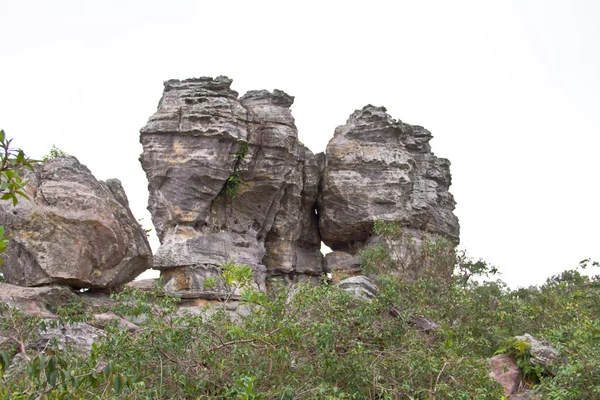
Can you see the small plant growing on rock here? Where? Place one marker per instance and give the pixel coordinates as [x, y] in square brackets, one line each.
[234, 181]
[232, 186]
[54, 153]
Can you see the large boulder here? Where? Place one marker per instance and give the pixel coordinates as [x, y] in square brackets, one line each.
[505, 371]
[378, 168]
[74, 230]
[40, 301]
[229, 180]
[360, 287]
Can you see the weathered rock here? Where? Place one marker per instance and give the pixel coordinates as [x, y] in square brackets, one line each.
[144, 285]
[378, 168]
[207, 308]
[341, 265]
[360, 287]
[229, 180]
[75, 230]
[77, 335]
[542, 352]
[108, 317]
[40, 301]
[504, 370]
[339, 260]
[424, 324]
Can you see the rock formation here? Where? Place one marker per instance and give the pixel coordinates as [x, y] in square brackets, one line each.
[74, 230]
[378, 168]
[229, 180]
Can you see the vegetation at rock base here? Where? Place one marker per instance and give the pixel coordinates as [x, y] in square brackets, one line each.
[319, 342]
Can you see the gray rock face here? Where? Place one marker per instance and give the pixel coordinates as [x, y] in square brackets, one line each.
[75, 230]
[378, 168]
[40, 301]
[360, 287]
[76, 335]
[504, 370]
[229, 180]
[339, 260]
[542, 353]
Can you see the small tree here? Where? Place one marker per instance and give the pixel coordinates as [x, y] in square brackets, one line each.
[12, 164]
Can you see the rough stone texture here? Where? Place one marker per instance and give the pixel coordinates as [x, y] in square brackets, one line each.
[542, 353]
[339, 260]
[40, 301]
[76, 335]
[424, 324]
[504, 370]
[200, 137]
[206, 308]
[105, 318]
[75, 230]
[341, 265]
[378, 168]
[145, 285]
[360, 287]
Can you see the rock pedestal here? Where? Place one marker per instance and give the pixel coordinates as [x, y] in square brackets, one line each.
[229, 180]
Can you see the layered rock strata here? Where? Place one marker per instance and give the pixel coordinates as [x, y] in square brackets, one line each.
[229, 180]
[73, 230]
[378, 168]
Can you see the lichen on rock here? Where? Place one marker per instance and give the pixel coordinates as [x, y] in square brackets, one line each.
[202, 138]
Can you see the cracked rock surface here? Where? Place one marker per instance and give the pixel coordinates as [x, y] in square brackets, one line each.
[229, 180]
[74, 230]
[378, 168]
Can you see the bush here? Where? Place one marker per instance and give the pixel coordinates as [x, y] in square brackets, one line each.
[319, 342]
[13, 163]
[54, 153]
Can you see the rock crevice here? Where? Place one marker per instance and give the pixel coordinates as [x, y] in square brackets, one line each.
[240, 185]
[229, 180]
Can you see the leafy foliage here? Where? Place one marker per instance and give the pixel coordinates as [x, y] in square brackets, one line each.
[54, 153]
[318, 342]
[234, 181]
[13, 163]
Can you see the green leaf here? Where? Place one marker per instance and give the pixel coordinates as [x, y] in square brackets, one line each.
[108, 369]
[2, 135]
[4, 360]
[119, 383]
[22, 194]
[52, 378]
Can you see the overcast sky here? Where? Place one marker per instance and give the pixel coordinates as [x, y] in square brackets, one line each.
[509, 89]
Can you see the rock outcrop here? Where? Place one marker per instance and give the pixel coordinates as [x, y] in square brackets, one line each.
[39, 301]
[542, 354]
[377, 168]
[229, 180]
[74, 230]
[505, 371]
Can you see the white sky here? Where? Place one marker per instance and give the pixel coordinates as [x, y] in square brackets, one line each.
[509, 89]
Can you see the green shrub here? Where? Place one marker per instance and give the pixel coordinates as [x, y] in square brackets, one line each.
[54, 153]
[318, 342]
